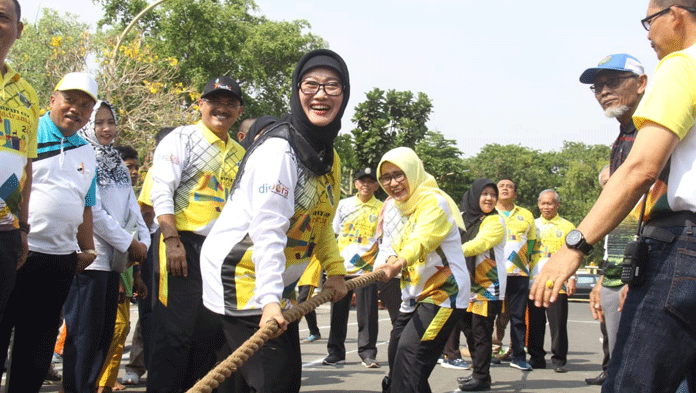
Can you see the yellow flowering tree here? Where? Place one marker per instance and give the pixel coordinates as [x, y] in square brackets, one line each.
[142, 87]
[49, 49]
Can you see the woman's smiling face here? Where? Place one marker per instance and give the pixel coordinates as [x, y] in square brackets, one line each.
[321, 108]
[394, 181]
[104, 125]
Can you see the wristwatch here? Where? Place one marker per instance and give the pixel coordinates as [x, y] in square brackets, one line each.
[90, 252]
[576, 241]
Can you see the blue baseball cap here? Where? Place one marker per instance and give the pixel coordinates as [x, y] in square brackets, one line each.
[617, 62]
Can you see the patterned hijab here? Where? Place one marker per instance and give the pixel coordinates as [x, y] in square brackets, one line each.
[110, 167]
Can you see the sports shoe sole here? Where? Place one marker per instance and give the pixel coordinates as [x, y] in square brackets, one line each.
[447, 365]
[327, 363]
[513, 365]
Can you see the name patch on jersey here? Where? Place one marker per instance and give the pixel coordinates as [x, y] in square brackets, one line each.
[168, 157]
[278, 189]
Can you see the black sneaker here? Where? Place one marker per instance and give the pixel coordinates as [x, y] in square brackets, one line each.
[333, 360]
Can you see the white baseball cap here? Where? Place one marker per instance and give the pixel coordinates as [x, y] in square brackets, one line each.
[81, 81]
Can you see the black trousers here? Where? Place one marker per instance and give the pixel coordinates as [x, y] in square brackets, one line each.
[304, 293]
[390, 295]
[368, 325]
[10, 248]
[558, 324]
[33, 310]
[413, 353]
[516, 297]
[479, 337]
[186, 337]
[275, 368]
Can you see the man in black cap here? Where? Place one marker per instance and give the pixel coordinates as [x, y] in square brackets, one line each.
[192, 175]
[355, 224]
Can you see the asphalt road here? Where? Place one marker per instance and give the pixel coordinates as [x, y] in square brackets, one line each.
[584, 359]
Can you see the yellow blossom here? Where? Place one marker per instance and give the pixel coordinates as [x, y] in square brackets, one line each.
[56, 41]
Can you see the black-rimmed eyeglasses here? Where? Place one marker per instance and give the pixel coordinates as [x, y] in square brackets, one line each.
[312, 87]
[648, 20]
[611, 83]
[387, 179]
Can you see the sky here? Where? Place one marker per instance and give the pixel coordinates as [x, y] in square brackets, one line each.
[504, 72]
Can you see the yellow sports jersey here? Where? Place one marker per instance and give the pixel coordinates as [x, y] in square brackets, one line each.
[488, 249]
[355, 224]
[19, 111]
[520, 229]
[311, 275]
[278, 218]
[551, 236]
[193, 171]
[429, 241]
[144, 197]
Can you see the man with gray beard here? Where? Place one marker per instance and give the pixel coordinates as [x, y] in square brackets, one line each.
[618, 83]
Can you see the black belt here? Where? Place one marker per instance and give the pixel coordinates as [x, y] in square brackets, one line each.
[653, 229]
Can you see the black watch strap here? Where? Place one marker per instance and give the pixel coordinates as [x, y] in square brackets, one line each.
[576, 240]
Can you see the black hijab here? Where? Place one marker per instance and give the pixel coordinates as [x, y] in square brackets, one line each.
[473, 215]
[256, 128]
[320, 139]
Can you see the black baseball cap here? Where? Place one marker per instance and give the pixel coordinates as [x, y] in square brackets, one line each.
[223, 84]
[366, 172]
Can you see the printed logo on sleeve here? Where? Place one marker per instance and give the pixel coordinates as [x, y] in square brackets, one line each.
[278, 189]
[168, 157]
[81, 168]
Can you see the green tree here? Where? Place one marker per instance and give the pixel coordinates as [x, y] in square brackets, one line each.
[578, 170]
[442, 159]
[531, 170]
[344, 146]
[386, 120]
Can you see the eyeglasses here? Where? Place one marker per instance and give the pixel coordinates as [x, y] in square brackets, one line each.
[398, 176]
[311, 87]
[612, 83]
[648, 20]
[227, 104]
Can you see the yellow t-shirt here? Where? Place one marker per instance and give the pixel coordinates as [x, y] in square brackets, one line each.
[670, 101]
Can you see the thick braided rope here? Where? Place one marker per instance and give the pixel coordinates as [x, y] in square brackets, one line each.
[225, 368]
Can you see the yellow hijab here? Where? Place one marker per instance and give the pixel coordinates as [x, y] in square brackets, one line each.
[420, 182]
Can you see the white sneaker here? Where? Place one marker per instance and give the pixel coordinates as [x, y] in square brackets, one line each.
[130, 378]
